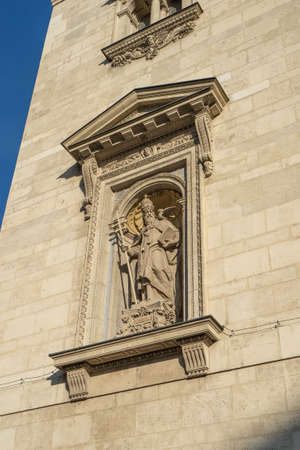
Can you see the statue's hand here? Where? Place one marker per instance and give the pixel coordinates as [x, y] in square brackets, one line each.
[124, 248]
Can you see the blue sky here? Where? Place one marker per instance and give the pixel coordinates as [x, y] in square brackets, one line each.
[23, 26]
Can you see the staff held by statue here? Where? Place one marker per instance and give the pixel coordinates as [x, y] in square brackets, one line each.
[117, 226]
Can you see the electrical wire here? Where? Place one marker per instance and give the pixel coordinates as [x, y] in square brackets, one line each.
[257, 328]
[227, 331]
[27, 379]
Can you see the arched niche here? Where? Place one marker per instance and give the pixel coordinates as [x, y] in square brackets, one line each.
[147, 285]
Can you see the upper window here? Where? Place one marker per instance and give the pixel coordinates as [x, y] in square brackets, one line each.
[134, 15]
[143, 27]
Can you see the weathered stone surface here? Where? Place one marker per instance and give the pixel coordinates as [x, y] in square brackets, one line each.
[250, 209]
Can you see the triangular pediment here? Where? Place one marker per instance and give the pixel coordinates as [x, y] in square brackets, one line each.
[142, 113]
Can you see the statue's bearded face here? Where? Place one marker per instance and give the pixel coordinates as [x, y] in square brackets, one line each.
[148, 215]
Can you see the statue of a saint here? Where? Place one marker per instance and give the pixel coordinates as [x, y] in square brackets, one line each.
[157, 257]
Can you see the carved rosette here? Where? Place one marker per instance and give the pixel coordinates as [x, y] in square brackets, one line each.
[196, 358]
[89, 171]
[77, 380]
[203, 128]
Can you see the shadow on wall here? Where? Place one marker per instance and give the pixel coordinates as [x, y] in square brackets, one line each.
[71, 172]
[57, 377]
[287, 440]
[279, 431]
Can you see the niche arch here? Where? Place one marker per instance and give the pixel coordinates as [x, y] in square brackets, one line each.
[146, 186]
[150, 280]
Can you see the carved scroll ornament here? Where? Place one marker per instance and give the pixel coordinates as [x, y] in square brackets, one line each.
[152, 44]
[203, 128]
[89, 172]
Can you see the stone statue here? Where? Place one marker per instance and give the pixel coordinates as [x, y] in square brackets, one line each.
[157, 256]
[153, 272]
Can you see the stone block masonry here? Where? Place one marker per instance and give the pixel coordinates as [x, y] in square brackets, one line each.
[250, 397]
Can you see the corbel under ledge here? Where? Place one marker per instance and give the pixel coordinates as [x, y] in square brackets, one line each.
[203, 128]
[190, 340]
[146, 43]
[89, 168]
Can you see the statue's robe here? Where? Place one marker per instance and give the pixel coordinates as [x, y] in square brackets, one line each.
[157, 260]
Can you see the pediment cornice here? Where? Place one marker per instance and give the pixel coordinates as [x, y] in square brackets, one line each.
[145, 114]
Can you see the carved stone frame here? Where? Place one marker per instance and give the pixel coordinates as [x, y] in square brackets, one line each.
[93, 314]
[181, 115]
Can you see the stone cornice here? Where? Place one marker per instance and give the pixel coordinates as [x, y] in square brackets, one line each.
[140, 344]
[190, 339]
[172, 107]
[148, 41]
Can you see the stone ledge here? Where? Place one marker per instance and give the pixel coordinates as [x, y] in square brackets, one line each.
[148, 41]
[190, 339]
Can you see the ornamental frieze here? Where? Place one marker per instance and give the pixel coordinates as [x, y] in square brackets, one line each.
[136, 157]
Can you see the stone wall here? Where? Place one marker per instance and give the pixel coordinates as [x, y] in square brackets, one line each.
[253, 228]
[252, 408]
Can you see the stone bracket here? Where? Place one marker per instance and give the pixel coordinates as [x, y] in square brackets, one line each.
[196, 358]
[203, 128]
[89, 168]
[148, 41]
[192, 338]
[77, 380]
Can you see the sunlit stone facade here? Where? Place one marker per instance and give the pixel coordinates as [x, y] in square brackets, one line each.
[191, 342]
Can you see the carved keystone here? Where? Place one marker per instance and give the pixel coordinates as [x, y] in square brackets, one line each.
[196, 358]
[77, 380]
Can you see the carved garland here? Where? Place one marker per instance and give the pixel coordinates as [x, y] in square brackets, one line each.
[148, 41]
[152, 44]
